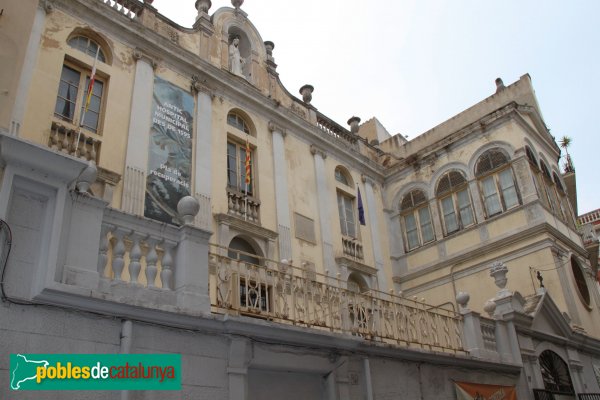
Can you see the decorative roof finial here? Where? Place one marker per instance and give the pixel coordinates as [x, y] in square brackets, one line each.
[202, 6]
[353, 122]
[237, 3]
[306, 92]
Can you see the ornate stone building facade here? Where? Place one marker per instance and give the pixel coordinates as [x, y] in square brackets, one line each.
[184, 201]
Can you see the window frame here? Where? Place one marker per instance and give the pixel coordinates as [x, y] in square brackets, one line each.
[240, 164]
[415, 211]
[452, 194]
[496, 174]
[80, 97]
[343, 210]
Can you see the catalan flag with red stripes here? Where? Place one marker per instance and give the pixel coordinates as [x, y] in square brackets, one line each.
[248, 168]
[90, 87]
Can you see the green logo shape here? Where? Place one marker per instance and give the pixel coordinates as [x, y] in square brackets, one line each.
[95, 372]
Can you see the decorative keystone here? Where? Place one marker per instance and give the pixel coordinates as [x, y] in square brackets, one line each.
[187, 208]
[489, 307]
[306, 92]
[353, 122]
[86, 178]
[462, 298]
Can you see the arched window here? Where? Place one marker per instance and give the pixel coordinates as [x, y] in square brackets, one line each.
[580, 282]
[357, 284]
[555, 373]
[416, 217]
[455, 202]
[496, 182]
[254, 295]
[73, 103]
[342, 176]
[240, 155]
[238, 122]
[88, 46]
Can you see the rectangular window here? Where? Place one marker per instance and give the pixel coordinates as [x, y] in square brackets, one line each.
[464, 207]
[346, 213]
[450, 220]
[490, 196]
[509, 191]
[412, 235]
[236, 168]
[426, 226]
[73, 93]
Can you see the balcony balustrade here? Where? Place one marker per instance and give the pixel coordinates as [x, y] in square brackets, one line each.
[245, 284]
[245, 207]
[64, 139]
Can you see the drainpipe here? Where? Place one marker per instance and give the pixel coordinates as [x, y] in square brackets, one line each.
[126, 333]
[368, 385]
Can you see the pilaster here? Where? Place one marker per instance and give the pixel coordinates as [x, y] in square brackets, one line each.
[203, 152]
[323, 199]
[281, 191]
[140, 122]
[373, 224]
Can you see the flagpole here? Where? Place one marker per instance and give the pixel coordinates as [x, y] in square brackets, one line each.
[247, 176]
[89, 97]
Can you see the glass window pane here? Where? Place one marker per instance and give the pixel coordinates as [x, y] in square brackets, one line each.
[464, 206]
[231, 165]
[426, 226]
[450, 220]
[341, 214]
[490, 196]
[509, 192]
[410, 224]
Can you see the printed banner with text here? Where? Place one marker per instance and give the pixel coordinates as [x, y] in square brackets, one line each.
[170, 151]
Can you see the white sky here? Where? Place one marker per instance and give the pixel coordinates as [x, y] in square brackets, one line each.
[415, 63]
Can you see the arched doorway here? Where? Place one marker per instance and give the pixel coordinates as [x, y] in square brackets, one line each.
[253, 291]
[241, 249]
[556, 376]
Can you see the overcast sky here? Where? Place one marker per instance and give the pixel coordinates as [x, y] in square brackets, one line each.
[415, 63]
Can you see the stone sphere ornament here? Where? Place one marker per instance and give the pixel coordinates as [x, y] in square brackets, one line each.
[188, 208]
[489, 307]
[462, 298]
[87, 177]
[237, 3]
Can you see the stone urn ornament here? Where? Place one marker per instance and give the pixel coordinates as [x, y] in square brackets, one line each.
[203, 6]
[498, 271]
[306, 92]
[237, 3]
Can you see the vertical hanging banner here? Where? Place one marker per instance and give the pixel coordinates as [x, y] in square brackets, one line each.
[170, 151]
[478, 391]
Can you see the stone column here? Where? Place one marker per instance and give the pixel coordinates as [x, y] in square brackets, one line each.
[18, 112]
[373, 224]
[203, 153]
[281, 192]
[140, 122]
[324, 206]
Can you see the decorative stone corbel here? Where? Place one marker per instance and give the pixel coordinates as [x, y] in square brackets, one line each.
[198, 85]
[138, 55]
[47, 6]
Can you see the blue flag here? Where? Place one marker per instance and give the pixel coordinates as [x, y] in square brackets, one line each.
[361, 209]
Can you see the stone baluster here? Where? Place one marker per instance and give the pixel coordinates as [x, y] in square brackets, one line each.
[103, 251]
[118, 252]
[135, 254]
[65, 140]
[166, 274]
[151, 260]
[93, 154]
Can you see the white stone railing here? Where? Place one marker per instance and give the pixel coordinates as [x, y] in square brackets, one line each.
[352, 248]
[488, 333]
[64, 139]
[245, 207]
[588, 218]
[244, 284]
[136, 250]
[129, 8]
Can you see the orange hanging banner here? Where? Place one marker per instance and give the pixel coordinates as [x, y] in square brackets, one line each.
[477, 391]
